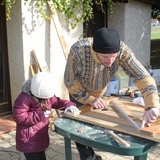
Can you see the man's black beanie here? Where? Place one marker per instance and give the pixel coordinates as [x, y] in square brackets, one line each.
[106, 40]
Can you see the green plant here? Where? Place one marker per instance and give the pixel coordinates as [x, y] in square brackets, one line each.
[8, 4]
[75, 11]
[155, 14]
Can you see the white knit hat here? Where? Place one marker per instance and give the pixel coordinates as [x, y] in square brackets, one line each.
[42, 85]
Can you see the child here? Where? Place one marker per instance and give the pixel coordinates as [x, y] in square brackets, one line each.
[31, 114]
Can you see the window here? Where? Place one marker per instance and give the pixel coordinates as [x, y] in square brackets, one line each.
[5, 99]
[99, 21]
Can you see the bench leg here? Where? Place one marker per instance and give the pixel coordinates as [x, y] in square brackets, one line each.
[142, 157]
[68, 149]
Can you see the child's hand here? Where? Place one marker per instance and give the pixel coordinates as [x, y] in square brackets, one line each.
[72, 109]
[43, 105]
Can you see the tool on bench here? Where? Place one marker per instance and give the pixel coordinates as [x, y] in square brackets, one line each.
[128, 95]
[133, 94]
[126, 144]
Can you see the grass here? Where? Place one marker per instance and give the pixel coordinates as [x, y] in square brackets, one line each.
[155, 32]
[155, 36]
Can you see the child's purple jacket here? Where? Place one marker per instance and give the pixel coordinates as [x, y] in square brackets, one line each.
[32, 126]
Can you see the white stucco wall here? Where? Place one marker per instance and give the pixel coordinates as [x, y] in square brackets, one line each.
[26, 32]
[132, 20]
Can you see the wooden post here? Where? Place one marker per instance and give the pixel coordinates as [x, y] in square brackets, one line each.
[41, 63]
[60, 35]
[59, 31]
[33, 69]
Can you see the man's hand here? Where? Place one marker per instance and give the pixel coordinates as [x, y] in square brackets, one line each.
[98, 103]
[149, 117]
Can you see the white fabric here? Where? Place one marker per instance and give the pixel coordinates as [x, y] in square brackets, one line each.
[139, 100]
[47, 113]
[72, 109]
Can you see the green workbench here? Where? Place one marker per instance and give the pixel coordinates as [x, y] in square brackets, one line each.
[96, 137]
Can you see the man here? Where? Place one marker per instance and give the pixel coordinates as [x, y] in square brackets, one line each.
[92, 62]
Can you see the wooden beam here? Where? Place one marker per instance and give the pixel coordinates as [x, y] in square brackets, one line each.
[59, 31]
[33, 69]
[60, 35]
[40, 62]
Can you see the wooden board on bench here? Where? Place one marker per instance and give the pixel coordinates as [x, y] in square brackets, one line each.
[109, 119]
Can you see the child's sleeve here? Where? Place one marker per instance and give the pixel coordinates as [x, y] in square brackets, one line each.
[58, 103]
[25, 115]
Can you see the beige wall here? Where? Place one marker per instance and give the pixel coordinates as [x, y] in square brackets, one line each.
[132, 20]
[26, 32]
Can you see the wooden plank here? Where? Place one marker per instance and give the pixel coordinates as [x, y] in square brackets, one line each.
[60, 35]
[36, 63]
[59, 31]
[42, 65]
[153, 130]
[85, 108]
[109, 117]
[33, 69]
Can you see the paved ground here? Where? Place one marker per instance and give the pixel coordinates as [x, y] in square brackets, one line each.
[56, 149]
